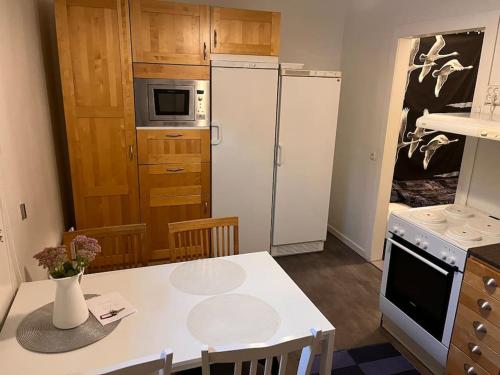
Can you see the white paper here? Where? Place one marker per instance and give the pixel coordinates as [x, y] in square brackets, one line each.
[105, 303]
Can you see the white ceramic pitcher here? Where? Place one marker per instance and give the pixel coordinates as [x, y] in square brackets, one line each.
[70, 308]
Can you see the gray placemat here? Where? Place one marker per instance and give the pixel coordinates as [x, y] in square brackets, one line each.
[37, 333]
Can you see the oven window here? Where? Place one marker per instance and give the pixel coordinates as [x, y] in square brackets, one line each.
[171, 102]
[418, 289]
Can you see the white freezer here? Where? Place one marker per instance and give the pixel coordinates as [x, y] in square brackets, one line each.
[244, 100]
[307, 129]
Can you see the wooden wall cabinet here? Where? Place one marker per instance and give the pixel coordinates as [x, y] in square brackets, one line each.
[245, 32]
[96, 73]
[170, 33]
[174, 181]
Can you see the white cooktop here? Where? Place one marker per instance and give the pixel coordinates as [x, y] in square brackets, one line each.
[464, 227]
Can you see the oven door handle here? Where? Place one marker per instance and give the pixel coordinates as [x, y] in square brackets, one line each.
[421, 258]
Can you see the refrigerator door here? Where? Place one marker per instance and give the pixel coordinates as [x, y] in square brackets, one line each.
[307, 128]
[243, 133]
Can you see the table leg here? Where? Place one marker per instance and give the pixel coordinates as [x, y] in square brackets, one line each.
[327, 354]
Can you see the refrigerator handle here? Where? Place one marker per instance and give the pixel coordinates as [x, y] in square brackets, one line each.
[279, 156]
[216, 140]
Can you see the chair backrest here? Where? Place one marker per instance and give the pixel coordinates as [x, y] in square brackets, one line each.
[203, 238]
[123, 246]
[253, 353]
[154, 364]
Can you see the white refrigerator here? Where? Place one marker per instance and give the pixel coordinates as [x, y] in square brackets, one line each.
[307, 127]
[244, 106]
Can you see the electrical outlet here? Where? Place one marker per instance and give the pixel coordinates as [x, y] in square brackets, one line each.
[24, 215]
[373, 156]
[492, 95]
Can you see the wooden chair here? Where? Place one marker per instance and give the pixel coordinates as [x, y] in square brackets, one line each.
[203, 238]
[161, 365]
[123, 246]
[253, 353]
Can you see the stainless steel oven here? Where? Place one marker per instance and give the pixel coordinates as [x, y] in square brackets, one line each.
[419, 290]
[167, 102]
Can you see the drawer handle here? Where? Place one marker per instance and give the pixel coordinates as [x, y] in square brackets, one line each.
[489, 282]
[484, 305]
[175, 169]
[479, 327]
[474, 349]
[470, 370]
[175, 135]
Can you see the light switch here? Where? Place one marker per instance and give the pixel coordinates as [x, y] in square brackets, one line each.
[24, 215]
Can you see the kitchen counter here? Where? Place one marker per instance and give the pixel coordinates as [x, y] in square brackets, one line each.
[488, 254]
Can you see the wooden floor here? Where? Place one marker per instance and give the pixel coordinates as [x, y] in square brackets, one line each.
[345, 288]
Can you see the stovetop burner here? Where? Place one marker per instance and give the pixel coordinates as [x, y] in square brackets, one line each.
[485, 225]
[458, 211]
[429, 217]
[463, 233]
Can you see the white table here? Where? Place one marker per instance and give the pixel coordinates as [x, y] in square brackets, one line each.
[161, 318]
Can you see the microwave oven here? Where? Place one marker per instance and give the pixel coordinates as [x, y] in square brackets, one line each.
[171, 102]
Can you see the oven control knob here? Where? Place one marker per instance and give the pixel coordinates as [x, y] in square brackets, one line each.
[444, 256]
[418, 241]
[402, 232]
[452, 261]
[425, 245]
[396, 229]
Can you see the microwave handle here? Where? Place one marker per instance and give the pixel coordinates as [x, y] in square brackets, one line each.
[422, 259]
[217, 129]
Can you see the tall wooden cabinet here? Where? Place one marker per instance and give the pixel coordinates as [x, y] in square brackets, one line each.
[245, 32]
[170, 33]
[96, 73]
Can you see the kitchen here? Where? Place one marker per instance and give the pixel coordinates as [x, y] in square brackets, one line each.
[175, 174]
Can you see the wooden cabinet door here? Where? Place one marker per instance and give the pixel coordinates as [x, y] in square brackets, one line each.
[245, 32]
[171, 193]
[173, 33]
[96, 73]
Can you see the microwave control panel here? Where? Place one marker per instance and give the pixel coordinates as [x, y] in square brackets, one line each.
[201, 104]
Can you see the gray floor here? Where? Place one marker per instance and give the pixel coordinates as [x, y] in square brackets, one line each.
[345, 288]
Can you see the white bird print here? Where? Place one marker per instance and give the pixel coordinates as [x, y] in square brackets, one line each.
[402, 130]
[433, 55]
[434, 144]
[443, 73]
[417, 136]
[415, 45]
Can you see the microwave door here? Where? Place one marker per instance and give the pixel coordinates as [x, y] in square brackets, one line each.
[171, 103]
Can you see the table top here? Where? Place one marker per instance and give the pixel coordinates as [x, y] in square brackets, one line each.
[162, 317]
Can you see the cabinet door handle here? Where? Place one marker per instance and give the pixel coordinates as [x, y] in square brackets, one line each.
[175, 169]
[174, 135]
[215, 38]
[131, 152]
[479, 327]
[205, 206]
[474, 349]
[204, 50]
[484, 305]
[489, 282]
[470, 370]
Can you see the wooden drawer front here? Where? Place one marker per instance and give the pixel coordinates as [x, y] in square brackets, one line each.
[173, 146]
[459, 363]
[476, 329]
[472, 298]
[479, 276]
[470, 342]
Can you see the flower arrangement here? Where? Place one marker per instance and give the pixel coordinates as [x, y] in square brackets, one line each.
[55, 259]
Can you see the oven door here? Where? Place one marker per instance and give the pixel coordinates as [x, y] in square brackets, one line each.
[419, 285]
[171, 102]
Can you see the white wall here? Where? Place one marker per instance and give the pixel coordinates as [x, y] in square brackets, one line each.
[311, 31]
[368, 57]
[28, 164]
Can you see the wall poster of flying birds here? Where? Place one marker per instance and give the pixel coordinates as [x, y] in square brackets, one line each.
[442, 73]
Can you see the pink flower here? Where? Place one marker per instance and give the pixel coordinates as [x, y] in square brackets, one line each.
[52, 257]
[86, 249]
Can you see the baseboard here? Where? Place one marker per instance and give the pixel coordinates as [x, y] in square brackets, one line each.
[347, 241]
[297, 248]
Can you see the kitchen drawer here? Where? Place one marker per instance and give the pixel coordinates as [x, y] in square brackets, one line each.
[158, 146]
[483, 277]
[469, 341]
[476, 329]
[473, 298]
[459, 363]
